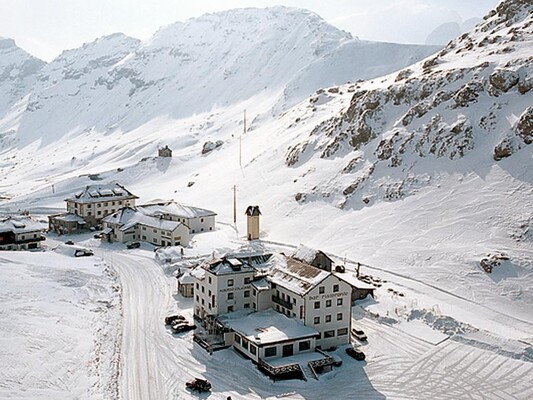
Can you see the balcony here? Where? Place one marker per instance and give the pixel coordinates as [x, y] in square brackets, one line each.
[281, 302]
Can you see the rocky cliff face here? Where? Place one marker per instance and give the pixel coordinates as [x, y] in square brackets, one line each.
[472, 100]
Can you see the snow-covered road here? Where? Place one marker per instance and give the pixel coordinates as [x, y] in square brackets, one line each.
[143, 291]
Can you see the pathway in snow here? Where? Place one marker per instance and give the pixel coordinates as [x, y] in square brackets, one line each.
[143, 291]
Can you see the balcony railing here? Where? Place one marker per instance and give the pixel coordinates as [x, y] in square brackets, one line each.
[281, 302]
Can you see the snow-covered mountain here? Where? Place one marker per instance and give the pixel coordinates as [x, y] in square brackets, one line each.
[419, 175]
[471, 100]
[117, 84]
[18, 72]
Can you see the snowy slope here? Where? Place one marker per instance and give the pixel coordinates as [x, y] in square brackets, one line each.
[58, 327]
[419, 175]
[380, 159]
[18, 72]
[117, 84]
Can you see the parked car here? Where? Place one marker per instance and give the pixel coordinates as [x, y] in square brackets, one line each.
[184, 326]
[173, 318]
[98, 235]
[69, 242]
[199, 384]
[355, 353]
[83, 253]
[359, 335]
[133, 245]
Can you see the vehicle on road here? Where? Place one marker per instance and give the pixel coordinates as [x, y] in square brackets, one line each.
[183, 326]
[133, 245]
[359, 334]
[98, 235]
[83, 253]
[198, 384]
[355, 353]
[169, 320]
[69, 242]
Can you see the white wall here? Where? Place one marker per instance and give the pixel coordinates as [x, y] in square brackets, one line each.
[334, 324]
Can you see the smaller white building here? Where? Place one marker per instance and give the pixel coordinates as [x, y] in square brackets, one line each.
[129, 224]
[197, 219]
[186, 284]
[21, 233]
[268, 335]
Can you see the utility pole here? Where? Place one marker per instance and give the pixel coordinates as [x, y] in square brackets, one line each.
[240, 140]
[234, 204]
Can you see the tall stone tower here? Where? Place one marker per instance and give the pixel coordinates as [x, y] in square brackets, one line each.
[252, 222]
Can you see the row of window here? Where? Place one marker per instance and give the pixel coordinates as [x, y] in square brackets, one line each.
[24, 236]
[285, 297]
[331, 333]
[231, 295]
[89, 213]
[230, 282]
[273, 350]
[327, 319]
[99, 205]
[229, 308]
[322, 289]
[328, 303]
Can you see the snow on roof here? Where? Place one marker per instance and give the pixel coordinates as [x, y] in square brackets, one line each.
[353, 281]
[256, 260]
[186, 278]
[198, 272]
[20, 224]
[307, 254]
[253, 211]
[261, 284]
[128, 217]
[295, 275]
[222, 266]
[103, 192]
[70, 217]
[174, 209]
[267, 326]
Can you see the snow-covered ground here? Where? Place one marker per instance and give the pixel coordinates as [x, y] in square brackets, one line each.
[59, 327]
[422, 225]
[412, 352]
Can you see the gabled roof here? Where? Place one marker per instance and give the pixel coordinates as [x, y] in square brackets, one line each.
[174, 209]
[127, 217]
[103, 192]
[353, 281]
[20, 224]
[227, 265]
[253, 211]
[256, 260]
[308, 255]
[296, 276]
[186, 278]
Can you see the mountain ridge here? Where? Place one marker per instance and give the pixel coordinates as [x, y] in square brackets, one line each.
[211, 61]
